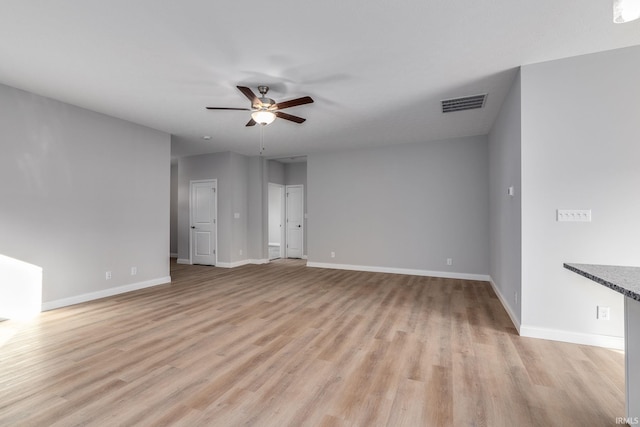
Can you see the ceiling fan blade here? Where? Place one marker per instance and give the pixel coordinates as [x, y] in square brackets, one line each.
[289, 117]
[293, 102]
[228, 108]
[251, 122]
[249, 94]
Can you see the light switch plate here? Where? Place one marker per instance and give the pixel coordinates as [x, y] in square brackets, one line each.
[574, 215]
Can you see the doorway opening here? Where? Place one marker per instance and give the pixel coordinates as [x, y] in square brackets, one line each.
[276, 221]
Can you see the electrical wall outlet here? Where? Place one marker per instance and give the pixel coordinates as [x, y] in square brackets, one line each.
[333, 254]
[107, 275]
[449, 261]
[134, 271]
[240, 251]
[604, 313]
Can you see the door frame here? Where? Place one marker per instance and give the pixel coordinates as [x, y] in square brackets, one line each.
[286, 209]
[213, 182]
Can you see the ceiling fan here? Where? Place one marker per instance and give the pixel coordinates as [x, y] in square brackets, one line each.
[265, 110]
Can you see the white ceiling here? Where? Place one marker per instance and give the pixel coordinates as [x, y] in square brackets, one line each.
[377, 69]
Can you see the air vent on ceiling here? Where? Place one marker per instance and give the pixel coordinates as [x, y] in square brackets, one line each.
[464, 103]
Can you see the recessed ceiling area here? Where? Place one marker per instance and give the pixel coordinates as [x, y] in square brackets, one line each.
[376, 70]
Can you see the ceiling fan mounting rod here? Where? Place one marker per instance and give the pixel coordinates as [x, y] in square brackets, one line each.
[263, 90]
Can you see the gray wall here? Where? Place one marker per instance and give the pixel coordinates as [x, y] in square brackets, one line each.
[295, 173]
[173, 212]
[505, 210]
[579, 151]
[241, 185]
[82, 193]
[210, 166]
[257, 205]
[239, 205]
[407, 206]
[276, 172]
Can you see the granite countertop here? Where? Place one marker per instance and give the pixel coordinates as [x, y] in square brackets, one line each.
[625, 280]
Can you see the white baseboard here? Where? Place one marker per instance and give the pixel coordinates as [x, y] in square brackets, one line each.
[230, 264]
[305, 257]
[503, 301]
[51, 305]
[558, 334]
[409, 271]
[183, 261]
[241, 263]
[572, 337]
[173, 255]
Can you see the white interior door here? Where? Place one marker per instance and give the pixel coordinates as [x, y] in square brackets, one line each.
[295, 220]
[203, 237]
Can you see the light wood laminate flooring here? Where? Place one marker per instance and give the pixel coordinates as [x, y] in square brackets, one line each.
[287, 345]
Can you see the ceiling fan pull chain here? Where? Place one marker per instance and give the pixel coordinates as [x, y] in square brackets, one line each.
[261, 139]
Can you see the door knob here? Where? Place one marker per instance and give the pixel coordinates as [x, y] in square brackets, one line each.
[299, 226]
[193, 226]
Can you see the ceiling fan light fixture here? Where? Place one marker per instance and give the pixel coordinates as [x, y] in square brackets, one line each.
[263, 117]
[625, 11]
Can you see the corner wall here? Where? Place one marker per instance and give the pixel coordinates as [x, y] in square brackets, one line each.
[241, 212]
[173, 247]
[82, 193]
[580, 150]
[208, 166]
[504, 209]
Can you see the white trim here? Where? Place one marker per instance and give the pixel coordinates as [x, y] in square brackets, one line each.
[183, 261]
[409, 271]
[241, 263]
[305, 257]
[51, 305]
[605, 341]
[557, 334]
[232, 264]
[173, 255]
[503, 301]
